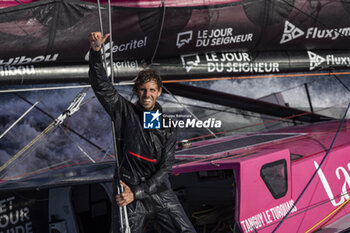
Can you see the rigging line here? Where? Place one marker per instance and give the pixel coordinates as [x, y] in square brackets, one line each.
[45, 169]
[52, 166]
[291, 88]
[25, 154]
[334, 213]
[73, 108]
[101, 29]
[107, 152]
[20, 118]
[255, 76]
[132, 96]
[87, 101]
[226, 110]
[48, 129]
[263, 123]
[50, 169]
[57, 88]
[211, 132]
[315, 173]
[86, 154]
[70, 129]
[160, 32]
[110, 39]
[123, 215]
[80, 148]
[343, 84]
[19, 2]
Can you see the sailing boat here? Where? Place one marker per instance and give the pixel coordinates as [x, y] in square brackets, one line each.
[271, 181]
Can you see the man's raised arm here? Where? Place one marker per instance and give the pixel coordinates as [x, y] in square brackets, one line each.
[103, 88]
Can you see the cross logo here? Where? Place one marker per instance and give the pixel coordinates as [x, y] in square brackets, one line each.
[151, 120]
[315, 60]
[291, 32]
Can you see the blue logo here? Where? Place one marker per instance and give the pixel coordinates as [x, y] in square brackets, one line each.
[151, 120]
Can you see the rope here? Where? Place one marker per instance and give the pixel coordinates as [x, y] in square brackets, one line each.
[255, 76]
[337, 210]
[315, 173]
[211, 132]
[262, 123]
[48, 129]
[160, 32]
[343, 84]
[20, 118]
[101, 29]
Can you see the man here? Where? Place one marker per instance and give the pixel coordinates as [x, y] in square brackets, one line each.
[146, 155]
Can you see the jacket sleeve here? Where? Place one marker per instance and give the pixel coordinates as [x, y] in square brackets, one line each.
[101, 84]
[160, 178]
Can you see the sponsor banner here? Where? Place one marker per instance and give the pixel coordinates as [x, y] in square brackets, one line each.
[327, 60]
[292, 32]
[229, 63]
[212, 38]
[143, 34]
[186, 66]
[266, 217]
[25, 211]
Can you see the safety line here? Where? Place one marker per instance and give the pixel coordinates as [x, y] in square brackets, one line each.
[20, 118]
[262, 123]
[189, 111]
[337, 209]
[160, 33]
[255, 76]
[48, 129]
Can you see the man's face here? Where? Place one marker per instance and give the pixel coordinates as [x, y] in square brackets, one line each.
[148, 94]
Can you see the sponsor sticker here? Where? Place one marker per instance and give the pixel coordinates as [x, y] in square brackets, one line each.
[130, 45]
[17, 70]
[213, 37]
[292, 32]
[238, 63]
[23, 60]
[268, 216]
[330, 60]
[229, 62]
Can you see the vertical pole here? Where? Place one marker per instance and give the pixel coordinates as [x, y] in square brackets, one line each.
[122, 210]
[116, 176]
[308, 96]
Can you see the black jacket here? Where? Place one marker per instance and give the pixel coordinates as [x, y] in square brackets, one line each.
[146, 155]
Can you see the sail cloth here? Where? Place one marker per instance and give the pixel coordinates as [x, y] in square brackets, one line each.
[46, 41]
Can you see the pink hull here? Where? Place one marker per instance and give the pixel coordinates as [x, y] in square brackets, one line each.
[323, 202]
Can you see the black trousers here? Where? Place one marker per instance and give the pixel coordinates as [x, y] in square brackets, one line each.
[162, 211]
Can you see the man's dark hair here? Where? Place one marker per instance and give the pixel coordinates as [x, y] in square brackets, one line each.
[145, 76]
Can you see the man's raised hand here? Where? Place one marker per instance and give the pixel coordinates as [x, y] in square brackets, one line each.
[96, 40]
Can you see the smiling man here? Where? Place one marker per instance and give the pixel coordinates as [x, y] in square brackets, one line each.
[146, 155]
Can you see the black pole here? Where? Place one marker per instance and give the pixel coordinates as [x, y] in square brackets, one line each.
[308, 96]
